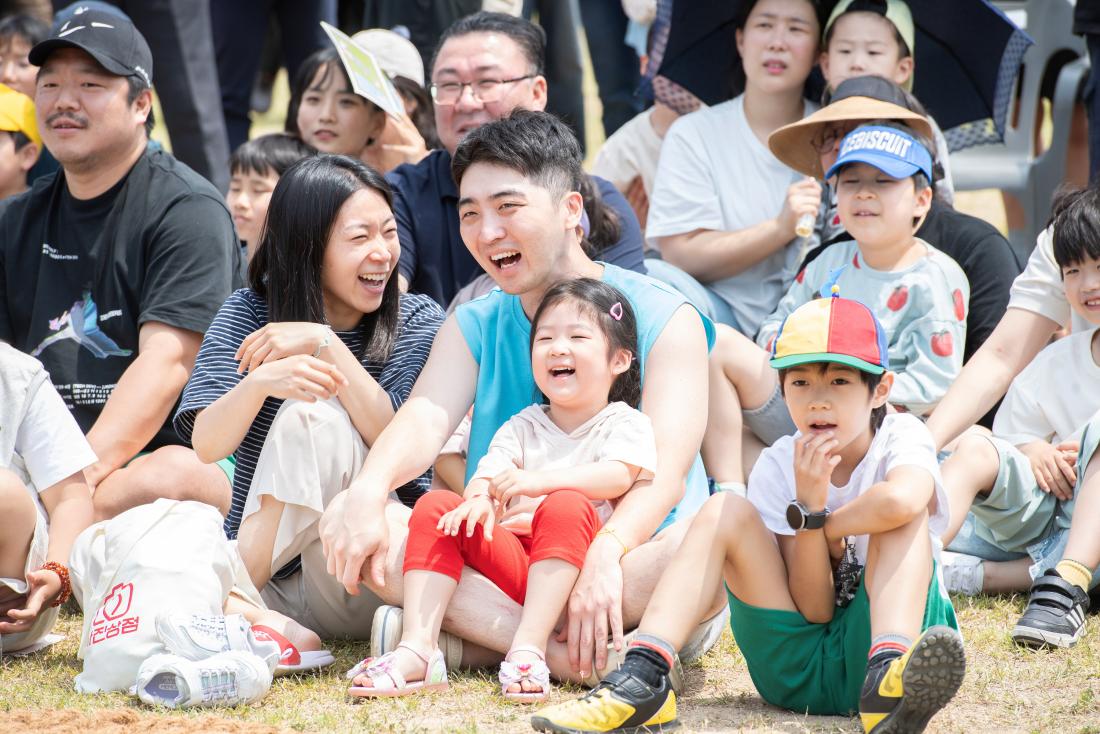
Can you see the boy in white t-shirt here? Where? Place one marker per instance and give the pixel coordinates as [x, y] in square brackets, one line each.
[829, 564]
[1020, 483]
[44, 499]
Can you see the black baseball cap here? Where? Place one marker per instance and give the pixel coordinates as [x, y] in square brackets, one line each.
[109, 38]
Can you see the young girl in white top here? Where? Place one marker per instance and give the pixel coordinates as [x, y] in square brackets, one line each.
[540, 495]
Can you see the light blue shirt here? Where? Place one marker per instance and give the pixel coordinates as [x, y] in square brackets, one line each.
[498, 333]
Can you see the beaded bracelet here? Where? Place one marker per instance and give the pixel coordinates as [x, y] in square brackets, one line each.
[66, 585]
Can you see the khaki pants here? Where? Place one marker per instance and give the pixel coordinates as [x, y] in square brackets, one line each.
[311, 454]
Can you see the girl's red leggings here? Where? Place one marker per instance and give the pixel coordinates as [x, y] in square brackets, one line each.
[563, 527]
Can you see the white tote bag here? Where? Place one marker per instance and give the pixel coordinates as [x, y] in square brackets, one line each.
[168, 556]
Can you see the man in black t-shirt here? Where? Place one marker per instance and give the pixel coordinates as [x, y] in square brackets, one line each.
[112, 268]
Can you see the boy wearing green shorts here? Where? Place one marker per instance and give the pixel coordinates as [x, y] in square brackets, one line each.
[829, 564]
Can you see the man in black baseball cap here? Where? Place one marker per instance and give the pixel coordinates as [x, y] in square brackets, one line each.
[112, 268]
[109, 38]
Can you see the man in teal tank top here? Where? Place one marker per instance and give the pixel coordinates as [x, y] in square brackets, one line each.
[520, 215]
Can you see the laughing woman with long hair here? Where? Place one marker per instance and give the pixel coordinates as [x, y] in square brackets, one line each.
[298, 375]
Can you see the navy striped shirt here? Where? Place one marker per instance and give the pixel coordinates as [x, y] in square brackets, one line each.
[215, 374]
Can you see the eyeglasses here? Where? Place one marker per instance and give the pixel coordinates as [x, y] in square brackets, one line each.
[827, 137]
[484, 90]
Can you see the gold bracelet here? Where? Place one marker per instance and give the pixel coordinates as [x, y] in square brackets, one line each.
[613, 534]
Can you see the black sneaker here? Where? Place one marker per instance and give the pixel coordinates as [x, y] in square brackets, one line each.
[1055, 614]
[622, 702]
[900, 695]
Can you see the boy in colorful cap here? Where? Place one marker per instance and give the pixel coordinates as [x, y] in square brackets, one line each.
[20, 143]
[920, 294]
[828, 565]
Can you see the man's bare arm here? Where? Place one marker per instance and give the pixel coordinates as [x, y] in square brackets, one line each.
[143, 397]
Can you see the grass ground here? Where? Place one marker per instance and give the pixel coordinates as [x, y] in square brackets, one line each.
[1007, 688]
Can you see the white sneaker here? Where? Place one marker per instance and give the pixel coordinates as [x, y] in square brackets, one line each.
[197, 637]
[228, 679]
[385, 635]
[962, 574]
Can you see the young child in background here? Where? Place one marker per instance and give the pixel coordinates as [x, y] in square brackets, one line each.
[540, 495]
[20, 143]
[835, 600]
[1021, 484]
[877, 37]
[919, 294]
[44, 499]
[254, 169]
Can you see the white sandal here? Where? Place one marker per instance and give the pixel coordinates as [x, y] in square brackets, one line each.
[536, 673]
[385, 667]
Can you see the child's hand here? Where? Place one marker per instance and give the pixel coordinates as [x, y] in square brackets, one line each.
[44, 585]
[517, 483]
[478, 509]
[813, 466]
[1053, 466]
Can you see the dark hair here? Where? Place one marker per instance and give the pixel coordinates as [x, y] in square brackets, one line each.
[18, 139]
[423, 117]
[1075, 218]
[286, 269]
[530, 38]
[604, 225]
[273, 153]
[876, 7]
[137, 86]
[878, 415]
[545, 150]
[597, 299]
[741, 19]
[328, 58]
[29, 28]
[537, 144]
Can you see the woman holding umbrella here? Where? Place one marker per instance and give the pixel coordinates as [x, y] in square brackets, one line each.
[724, 210]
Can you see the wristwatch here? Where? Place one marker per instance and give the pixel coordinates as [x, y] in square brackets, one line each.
[799, 518]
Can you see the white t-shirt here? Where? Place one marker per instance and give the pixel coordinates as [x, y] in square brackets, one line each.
[1055, 396]
[903, 440]
[715, 174]
[40, 441]
[1039, 288]
[632, 151]
[531, 440]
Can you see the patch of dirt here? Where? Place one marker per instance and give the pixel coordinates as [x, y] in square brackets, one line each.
[122, 721]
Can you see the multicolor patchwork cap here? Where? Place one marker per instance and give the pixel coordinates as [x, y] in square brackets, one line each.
[892, 151]
[831, 330]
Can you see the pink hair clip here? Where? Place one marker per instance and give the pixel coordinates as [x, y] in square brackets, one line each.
[617, 311]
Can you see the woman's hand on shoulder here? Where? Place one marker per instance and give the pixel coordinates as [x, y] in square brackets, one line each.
[298, 377]
[280, 340]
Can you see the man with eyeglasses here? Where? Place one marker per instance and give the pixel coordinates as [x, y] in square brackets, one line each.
[485, 66]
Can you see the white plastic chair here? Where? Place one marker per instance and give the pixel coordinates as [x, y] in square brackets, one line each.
[1013, 166]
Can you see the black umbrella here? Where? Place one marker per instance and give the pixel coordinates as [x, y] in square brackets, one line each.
[967, 58]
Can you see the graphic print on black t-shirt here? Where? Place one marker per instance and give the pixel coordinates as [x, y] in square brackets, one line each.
[79, 278]
[81, 324]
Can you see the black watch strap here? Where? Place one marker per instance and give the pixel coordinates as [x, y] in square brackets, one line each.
[799, 518]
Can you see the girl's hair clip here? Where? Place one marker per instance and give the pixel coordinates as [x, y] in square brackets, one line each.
[616, 311]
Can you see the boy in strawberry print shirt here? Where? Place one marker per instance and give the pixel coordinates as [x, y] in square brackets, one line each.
[919, 294]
